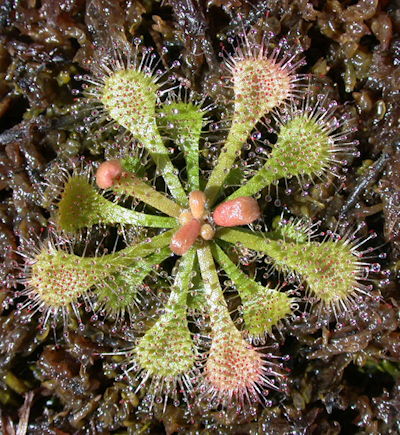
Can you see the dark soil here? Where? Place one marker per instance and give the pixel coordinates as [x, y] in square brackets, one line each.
[343, 379]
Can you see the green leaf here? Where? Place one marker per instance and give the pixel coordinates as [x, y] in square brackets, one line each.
[304, 148]
[82, 206]
[130, 97]
[263, 307]
[167, 350]
[58, 278]
[331, 268]
[119, 292]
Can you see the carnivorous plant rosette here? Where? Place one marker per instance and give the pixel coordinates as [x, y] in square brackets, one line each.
[190, 215]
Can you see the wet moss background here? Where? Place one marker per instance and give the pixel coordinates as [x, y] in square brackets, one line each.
[342, 380]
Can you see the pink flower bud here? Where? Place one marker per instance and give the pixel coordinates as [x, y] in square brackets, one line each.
[197, 202]
[108, 173]
[240, 211]
[207, 232]
[185, 217]
[184, 238]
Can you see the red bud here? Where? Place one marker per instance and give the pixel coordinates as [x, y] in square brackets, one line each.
[107, 173]
[184, 238]
[197, 201]
[240, 211]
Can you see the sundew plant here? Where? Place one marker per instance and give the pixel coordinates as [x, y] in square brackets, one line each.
[196, 215]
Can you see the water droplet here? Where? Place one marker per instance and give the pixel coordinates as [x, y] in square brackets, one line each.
[375, 267]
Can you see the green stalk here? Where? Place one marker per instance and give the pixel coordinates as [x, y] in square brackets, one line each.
[190, 146]
[126, 256]
[236, 138]
[133, 186]
[159, 154]
[246, 239]
[245, 285]
[263, 178]
[187, 121]
[218, 310]
[180, 289]
[122, 215]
